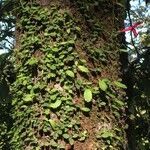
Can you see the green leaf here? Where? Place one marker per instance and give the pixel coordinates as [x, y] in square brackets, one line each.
[83, 69]
[70, 73]
[102, 104]
[29, 87]
[53, 143]
[102, 85]
[120, 85]
[47, 111]
[107, 134]
[116, 114]
[78, 29]
[71, 141]
[119, 102]
[46, 105]
[56, 104]
[70, 49]
[59, 132]
[143, 112]
[85, 109]
[66, 136]
[68, 30]
[53, 97]
[88, 95]
[28, 98]
[55, 49]
[123, 50]
[75, 136]
[53, 34]
[53, 124]
[32, 61]
[82, 138]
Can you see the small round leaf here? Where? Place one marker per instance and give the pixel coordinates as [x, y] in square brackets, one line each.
[70, 73]
[88, 95]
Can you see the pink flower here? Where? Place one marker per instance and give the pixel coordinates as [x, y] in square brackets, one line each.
[132, 28]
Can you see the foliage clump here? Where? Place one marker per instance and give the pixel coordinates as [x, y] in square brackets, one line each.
[63, 79]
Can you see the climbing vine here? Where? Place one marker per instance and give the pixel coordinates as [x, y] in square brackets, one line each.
[59, 80]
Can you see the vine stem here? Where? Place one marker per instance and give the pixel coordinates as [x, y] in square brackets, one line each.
[130, 21]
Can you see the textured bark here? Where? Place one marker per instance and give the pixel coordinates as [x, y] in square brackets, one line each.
[109, 15]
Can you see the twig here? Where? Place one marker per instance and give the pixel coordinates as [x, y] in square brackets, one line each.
[130, 20]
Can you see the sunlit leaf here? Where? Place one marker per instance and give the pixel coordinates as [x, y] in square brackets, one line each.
[56, 104]
[70, 73]
[88, 95]
[85, 109]
[120, 85]
[47, 111]
[107, 134]
[32, 61]
[53, 124]
[66, 136]
[102, 85]
[119, 102]
[28, 98]
[83, 69]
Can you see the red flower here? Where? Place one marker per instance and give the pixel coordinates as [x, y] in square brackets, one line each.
[132, 28]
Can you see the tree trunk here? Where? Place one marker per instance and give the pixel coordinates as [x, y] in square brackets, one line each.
[67, 93]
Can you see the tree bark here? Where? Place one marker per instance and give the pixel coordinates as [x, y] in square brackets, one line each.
[67, 94]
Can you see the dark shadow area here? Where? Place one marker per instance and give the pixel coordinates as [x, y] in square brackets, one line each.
[136, 77]
[6, 122]
[139, 108]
